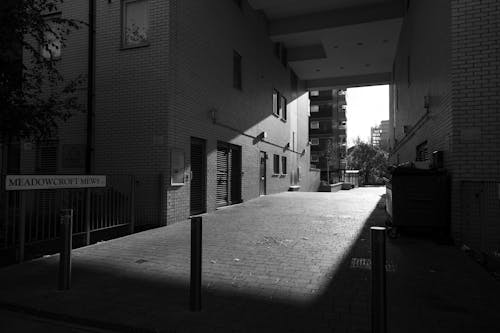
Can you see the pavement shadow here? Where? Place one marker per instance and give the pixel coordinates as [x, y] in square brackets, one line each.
[146, 299]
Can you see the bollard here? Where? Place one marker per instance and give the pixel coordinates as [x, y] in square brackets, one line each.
[195, 286]
[66, 246]
[379, 318]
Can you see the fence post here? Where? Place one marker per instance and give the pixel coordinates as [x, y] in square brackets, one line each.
[66, 246]
[378, 312]
[87, 216]
[132, 204]
[195, 286]
[22, 225]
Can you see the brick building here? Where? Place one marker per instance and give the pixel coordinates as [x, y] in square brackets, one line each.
[445, 97]
[194, 136]
[328, 132]
[187, 86]
[379, 135]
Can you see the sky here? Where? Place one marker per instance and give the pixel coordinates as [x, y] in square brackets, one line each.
[366, 107]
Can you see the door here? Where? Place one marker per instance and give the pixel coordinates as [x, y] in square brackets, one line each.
[198, 177]
[228, 174]
[262, 187]
[222, 195]
[235, 174]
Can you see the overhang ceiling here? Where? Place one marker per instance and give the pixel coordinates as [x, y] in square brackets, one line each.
[334, 43]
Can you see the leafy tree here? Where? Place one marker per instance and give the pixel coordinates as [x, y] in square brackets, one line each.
[331, 154]
[34, 96]
[369, 160]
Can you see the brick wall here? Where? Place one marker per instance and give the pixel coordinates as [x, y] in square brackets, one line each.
[451, 50]
[475, 31]
[131, 103]
[72, 64]
[422, 68]
[152, 99]
[208, 33]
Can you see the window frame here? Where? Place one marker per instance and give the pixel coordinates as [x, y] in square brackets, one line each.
[276, 103]
[283, 165]
[314, 122]
[123, 42]
[316, 107]
[48, 18]
[276, 164]
[314, 93]
[422, 152]
[316, 156]
[314, 141]
[283, 107]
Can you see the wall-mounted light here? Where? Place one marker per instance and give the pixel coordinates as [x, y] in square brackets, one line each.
[262, 136]
[212, 113]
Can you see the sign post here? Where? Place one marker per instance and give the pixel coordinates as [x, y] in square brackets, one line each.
[53, 182]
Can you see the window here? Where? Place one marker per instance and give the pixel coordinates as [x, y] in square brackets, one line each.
[314, 108]
[314, 157]
[283, 165]
[314, 93]
[51, 49]
[237, 70]
[283, 110]
[341, 93]
[314, 141]
[135, 23]
[344, 107]
[421, 152]
[314, 124]
[276, 108]
[276, 164]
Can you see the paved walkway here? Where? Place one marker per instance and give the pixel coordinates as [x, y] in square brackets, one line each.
[292, 262]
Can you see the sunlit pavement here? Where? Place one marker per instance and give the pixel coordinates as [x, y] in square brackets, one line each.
[292, 262]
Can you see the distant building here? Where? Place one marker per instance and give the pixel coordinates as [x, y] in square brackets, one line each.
[328, 127]
[379, 136]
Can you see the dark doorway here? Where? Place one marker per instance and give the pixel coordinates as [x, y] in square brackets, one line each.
[262, 187]
[228, 174]
[198, 176]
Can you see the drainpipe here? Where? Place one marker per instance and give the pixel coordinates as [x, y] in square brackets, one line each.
[90, 88]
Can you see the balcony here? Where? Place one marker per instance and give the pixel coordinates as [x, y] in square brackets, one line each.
[342, 116]
[321, 95]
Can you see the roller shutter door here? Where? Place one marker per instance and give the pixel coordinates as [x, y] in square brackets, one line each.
[222, 175]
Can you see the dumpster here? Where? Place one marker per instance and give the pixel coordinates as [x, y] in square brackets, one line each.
[417, 198]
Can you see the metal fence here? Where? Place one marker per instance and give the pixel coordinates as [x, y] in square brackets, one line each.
[480, 212]
[34, 216]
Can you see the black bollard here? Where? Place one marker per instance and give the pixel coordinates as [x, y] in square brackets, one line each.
[195, 287]
[379, 318]
[66, 246]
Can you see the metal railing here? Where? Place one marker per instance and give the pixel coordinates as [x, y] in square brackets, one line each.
[94, 209]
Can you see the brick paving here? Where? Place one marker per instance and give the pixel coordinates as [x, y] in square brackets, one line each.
[291, 262]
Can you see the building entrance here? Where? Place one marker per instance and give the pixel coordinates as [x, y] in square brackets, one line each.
[262, 186]
[228, 174]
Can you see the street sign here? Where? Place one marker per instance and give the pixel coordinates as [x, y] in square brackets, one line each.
[48, 182]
